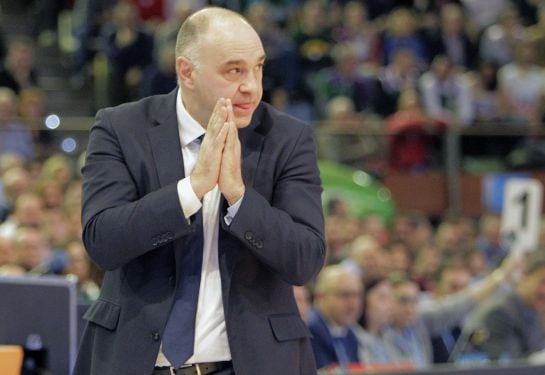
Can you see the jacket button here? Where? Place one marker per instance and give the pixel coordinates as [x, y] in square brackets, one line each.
[155, 336]
[259, 244]
[171, 280]
[248, 235]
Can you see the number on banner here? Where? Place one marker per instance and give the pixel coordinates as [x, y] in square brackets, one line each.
[521, 215]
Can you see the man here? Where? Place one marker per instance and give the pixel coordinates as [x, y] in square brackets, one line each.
[511, 327]
[338, 298]
[255, 180]
[415, 321]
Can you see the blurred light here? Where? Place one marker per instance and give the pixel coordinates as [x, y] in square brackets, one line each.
[362, 179]
[52, 122]
[384, 194]
[69, 145]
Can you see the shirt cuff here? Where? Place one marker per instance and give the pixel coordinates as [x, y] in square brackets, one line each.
[232, 211]
[189, 201]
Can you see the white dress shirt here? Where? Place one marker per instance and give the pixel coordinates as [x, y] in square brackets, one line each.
[211, 343]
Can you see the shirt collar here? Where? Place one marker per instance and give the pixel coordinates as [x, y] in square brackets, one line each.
[190, 129]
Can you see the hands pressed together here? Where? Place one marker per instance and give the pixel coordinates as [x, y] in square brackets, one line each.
[219, 160]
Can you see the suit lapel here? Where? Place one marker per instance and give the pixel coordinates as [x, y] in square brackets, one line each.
[165, 141]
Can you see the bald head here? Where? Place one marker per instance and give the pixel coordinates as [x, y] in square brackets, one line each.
[206, 22]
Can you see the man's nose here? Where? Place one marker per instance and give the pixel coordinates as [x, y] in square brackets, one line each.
[250, 83]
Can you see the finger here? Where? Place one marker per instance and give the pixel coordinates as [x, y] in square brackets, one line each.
[217, 118]
[230, 113]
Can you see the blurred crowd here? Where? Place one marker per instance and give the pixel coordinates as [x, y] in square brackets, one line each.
[409, 69]
[392, 293]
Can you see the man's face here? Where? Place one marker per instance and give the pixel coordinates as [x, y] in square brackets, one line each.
[533, 289]
[230, 66]
[343, 303]
[405, 306]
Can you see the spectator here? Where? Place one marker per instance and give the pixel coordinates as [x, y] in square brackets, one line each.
[15, 181]
[522, 88]
[415, 322]
[485, 93]
[513, 323]
[399, 75]
[454, 276]
[129, 49]
[489, 239]
[344, 78]
[452, 40]
[313, 40]
[28, 212]
[499, 40]
[446, 94]
[410, 135]
[402, 33]
[342, 145]
[376, 317]
[18, 71]
[356, 31]
[366, 259]
[32, 251]
[536, 36]
[337, 307]
[282, 68]
[160, 76]
[14, 136]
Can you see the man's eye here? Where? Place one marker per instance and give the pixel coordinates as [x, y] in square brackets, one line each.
[234, 71]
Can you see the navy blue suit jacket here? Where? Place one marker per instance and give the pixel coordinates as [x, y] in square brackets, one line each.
[134, 228]
[323, 346]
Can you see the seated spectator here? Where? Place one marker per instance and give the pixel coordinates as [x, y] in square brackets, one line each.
[32, 252]
[12, 183]
[376, 317]
[129, 50]
[486, 98]
[344, 78]
[454, 276]
[410, 135]
[366, 258]
[32, 110]
[356, 31]
[522, 88]
[282, 69]
[536, 36]
[344, 139]
[19, 70]
[499, 40]
[489, 239]
[15, 137]
[414, 322]
[336, 309]
[399, 75]
[312, 38]
[160, 77]
[512, 324]
[402, 33]
[446, 94]
[27, 212]
[452, 40]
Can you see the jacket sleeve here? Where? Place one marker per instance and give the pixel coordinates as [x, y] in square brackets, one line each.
[120, 222]
[286, 233]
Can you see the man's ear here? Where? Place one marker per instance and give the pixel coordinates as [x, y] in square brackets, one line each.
[184, 70]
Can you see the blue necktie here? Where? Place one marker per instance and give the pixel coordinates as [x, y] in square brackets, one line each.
[179, 334]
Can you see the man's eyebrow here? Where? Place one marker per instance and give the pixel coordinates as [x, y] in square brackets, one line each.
[240, 61]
